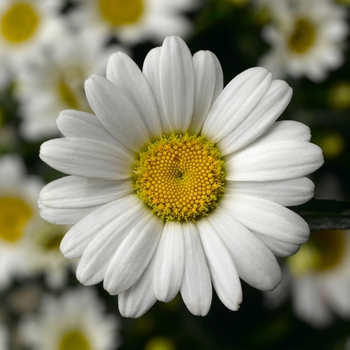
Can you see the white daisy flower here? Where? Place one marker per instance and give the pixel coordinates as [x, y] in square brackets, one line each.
[137, 20]
[44, 256]
[18, 216]
[318, 278]
[55, 81]
[177, 183]
[306, 38]
[25, 25]
[76, 320]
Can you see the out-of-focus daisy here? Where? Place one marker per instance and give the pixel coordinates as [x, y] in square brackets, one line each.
[55, 80]
[136, 20]
[306, 38]
[177, 183]
[18, 216]
[44, 256]
[25, 25]
[318, 278]
[75, 320]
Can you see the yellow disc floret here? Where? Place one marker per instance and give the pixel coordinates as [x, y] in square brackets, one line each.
[303, 36]
[74, 340]
[180, 177]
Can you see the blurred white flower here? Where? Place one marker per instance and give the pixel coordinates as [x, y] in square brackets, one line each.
[306, 37]
[147, 196]
[26, 25]
[75, 320]
[136, 20]
[55, 80]
[18, 216]
[318, 279]
[44, 256]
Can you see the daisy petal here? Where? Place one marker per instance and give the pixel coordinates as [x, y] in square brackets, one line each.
[169, 264]
[236, 102]
[222, 270]
[286, 192]
[82, 157]
[274, 161]
[106, 240]
[196, 289]
[177, 83]
[138, 299]
[123, 72]
[79, 236]
[208, 85]
[260, 119]
[78, 192]
[116, 112]
[78, 124]
[133, 255]
[254, 262]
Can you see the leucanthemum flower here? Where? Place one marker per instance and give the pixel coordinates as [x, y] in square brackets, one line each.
[177, 184]
[306, 38]
[318, 279]
[26, 25]
[137, 20]
[76, 320]
[54, 80]
[19, 216]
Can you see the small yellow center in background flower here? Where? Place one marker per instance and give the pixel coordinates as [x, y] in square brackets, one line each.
[324, 251]
[121, 12]
[180, 177]
[67, 95]
[50, 239]
[74, 340]
[14, 216]
[303, 36]
[19, 23]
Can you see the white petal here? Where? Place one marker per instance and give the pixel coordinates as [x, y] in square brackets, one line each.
[260, 119]
[78, 192]
[138, 299]
[284, 192]
[209, 82]
[87, 158]
[221, 266]
[116, 112]
[268, 218]
[196, 289]
[80, 235]
[64, 216]
[78, 124]
[133, 255]
[235, 102]
[123, 72]
[176, 83]
[254, 262]
[278, 247]
[169, 264]
[274, 161]
[118, 221]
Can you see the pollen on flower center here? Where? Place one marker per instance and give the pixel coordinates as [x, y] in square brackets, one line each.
[121, 12]
[14, 215]
[303, 36]
[19, 23]
[180, 177]
[74, 340]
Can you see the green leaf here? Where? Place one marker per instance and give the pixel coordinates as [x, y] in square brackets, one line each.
[324, 214]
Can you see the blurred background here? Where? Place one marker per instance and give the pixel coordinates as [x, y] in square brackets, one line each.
[47, 50]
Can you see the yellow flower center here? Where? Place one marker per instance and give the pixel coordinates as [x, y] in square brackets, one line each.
[121, 12]
[180, 177]
[50, 239]
[324, 251]
[14, 216]
[74, 340]
[67, 95]
[303, 36]
[19, 23]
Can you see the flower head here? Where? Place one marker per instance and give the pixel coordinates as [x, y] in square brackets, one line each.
[177, 183]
